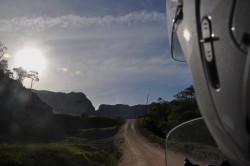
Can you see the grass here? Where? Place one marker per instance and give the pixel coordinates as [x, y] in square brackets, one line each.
[59, 153]
[75, 149]
[71, 152]
[149, 134]
[197, 151]
[94, 133]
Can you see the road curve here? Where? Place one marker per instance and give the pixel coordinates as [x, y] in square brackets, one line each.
[137, 151]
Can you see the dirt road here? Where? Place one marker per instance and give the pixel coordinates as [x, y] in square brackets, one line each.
[137, 151]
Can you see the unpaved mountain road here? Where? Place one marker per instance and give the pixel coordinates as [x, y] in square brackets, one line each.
[137, 151]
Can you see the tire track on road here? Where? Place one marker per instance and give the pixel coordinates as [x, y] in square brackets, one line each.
[137, 151]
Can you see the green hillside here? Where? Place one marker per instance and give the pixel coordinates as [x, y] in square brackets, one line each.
[31, 134]
[89, 145]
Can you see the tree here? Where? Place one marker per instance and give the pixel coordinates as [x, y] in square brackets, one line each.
[4, 69]
[161, 100]
[164, 115]
[3, 49]
[21, 74]
[187, 94]
[157, 116]
[4, 63]
[33, 75]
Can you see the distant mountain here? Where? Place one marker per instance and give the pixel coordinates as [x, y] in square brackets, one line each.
[68, 103]
[124, 111]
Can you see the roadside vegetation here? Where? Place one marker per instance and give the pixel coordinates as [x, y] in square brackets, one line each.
[31, 134]
[89, 144]
[163, 115]
[198, 151]
[194, 140]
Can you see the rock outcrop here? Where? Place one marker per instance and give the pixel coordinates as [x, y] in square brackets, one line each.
[67, 103]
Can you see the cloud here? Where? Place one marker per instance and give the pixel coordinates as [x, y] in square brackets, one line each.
[75, 21]
[117, 58]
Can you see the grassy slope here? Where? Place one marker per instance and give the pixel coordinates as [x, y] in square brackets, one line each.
[74, 150]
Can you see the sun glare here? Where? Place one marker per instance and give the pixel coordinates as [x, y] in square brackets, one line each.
[30, 59]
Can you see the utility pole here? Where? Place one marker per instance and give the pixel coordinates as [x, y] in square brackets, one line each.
[145, 111]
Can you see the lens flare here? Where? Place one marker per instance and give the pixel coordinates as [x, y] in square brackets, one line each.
[65, 69]
[6, 56]
[78, 72]
[187, 35]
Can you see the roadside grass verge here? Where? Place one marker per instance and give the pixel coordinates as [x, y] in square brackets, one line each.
[149, 134]
[98, 133]
[68, 153]
[197, 151]
[85, 146]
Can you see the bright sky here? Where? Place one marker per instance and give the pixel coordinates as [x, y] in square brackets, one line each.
[114, 51]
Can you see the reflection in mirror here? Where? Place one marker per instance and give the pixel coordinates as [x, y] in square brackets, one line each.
[177, 52]
[192, 140]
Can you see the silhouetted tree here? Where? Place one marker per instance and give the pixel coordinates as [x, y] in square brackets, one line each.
[4, 63]
[161, 100]
[33, 75]
[187, 94]
[21, 74]
[164, 115]
[3, 49]
[4, 69]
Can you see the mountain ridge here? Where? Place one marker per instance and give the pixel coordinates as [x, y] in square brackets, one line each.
[76, 103]
[69, 103]
[122, 110]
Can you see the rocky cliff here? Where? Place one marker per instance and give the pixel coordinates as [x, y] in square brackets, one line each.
[68, 103]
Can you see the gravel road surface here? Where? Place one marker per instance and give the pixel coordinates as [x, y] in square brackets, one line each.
[137, 151]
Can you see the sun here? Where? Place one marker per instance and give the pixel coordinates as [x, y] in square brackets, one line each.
[30, 59]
